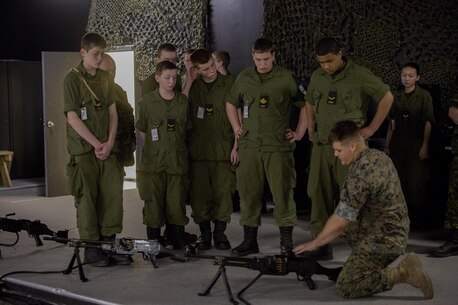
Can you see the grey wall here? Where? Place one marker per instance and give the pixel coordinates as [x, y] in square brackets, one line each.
[233, 26]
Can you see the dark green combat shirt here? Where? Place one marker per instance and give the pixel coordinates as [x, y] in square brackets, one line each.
[211, 138]
[410, 116]
[150, 84]
[77, 98]
[269, 107]
[372, 200]
[170, 118]
[352, 86]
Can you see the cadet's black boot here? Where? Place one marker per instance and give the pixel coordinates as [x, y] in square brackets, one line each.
[97, 258]
[219, 238]
[178, 238]
[169, 233]
[120, 259]
[286, 241]
[249, 244]
[450, 247]
[153, 233]
[204, 242]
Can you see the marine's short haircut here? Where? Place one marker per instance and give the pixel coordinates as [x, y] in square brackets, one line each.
[224, 56]
[262, 45]
[327, 45]
[164, 65]
[200, 57]
[91, 39]
[412, 65]
[344, 131]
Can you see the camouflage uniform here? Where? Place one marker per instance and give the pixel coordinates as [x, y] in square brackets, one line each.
[377, 234]
[451, 217]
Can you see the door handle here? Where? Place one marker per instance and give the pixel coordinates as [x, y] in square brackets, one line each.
[50, 124]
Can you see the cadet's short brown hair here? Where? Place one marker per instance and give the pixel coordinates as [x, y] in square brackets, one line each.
[166, 47]
[344, 131]
[91, 39]
[262, 45]
[224, 56]
[200, 57]
[164, 65]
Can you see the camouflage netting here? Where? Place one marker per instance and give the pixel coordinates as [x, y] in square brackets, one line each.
[381, 35]
[148, 23]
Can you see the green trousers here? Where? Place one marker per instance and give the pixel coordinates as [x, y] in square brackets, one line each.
[326, 177]
[97, 187]
[254, 168]
[451, 216]
[212, 185]
[164, 197]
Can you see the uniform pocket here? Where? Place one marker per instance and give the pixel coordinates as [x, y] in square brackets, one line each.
[144, 187]
[74, 179]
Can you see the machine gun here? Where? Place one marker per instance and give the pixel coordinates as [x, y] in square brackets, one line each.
[124, 246]
[268, 265]
[34, 228]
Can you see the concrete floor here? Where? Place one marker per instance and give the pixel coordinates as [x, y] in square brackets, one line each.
[178, 283]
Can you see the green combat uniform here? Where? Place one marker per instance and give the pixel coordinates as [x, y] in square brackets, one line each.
[210, 142]
[335, 98]
[95, 184]
[125, 136]
[163, 166]
[451, 216]
[265, 101]
[372, 200]
[411, 112]
[150, 84]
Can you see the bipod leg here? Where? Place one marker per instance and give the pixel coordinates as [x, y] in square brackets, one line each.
[221, 271]
[239, 295]
[308, 280]
[76, 256]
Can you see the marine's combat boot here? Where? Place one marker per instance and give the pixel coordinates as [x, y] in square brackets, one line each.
[286, 241]
[411, 271]
[204, 242]
[219, 238]
[249, 244]
[450, 247]
[120, 259]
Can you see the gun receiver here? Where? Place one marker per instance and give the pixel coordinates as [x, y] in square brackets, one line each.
[268, 265]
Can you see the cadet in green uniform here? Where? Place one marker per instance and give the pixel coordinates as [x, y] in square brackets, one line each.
[407, 143]
[166, 51]
[95, 176]
[337, 91]
[258, 107]
[161, 172]
[125, 142]
[450, 247]
[372, 218]
[211, 149]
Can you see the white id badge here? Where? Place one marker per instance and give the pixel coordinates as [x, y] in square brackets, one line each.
[245, 112]
[83, 114]
[154, 134]
[200, 112]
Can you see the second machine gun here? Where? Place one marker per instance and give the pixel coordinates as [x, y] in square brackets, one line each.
[268, 265]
